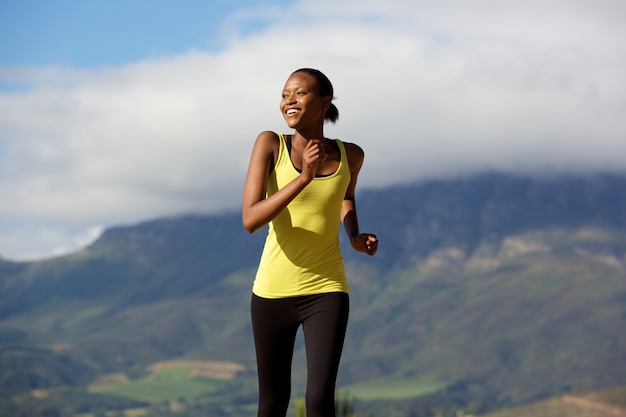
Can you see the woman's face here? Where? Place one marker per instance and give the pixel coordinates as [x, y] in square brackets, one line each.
[301, 105]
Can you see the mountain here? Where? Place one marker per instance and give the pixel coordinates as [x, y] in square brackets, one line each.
[493, 290]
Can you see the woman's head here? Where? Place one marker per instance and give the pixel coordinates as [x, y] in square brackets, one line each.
[324, 89]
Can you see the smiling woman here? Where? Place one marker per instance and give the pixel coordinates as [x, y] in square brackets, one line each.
[303, 186]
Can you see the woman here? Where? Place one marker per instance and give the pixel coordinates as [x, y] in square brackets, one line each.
[303, 186]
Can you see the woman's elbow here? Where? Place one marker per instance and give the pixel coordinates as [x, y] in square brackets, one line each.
[249, 224]
[250, 229]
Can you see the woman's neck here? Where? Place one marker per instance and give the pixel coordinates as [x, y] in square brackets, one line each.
[308, 134]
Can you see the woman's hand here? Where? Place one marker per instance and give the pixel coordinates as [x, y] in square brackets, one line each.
[312, 155]
[365, 242]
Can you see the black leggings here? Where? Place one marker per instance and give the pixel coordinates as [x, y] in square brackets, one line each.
[275, 322]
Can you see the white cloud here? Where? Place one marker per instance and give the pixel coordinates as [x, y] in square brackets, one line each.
[428, 89]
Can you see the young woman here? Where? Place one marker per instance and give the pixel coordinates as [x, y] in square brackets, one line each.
[303, 186]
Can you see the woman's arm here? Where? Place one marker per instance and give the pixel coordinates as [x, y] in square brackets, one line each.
[257, 209]
[361, 242]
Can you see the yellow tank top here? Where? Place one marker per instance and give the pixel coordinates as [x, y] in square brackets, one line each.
[301, 255]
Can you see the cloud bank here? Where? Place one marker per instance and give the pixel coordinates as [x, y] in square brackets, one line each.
[428, 89]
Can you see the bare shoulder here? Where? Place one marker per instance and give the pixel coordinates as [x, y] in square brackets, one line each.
[268, 137]
[354, 153]
[267, 142]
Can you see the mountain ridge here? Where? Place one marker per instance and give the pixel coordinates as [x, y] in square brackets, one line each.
[504, 289]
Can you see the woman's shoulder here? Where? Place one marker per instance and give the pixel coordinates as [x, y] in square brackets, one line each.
[267, 146]
[352, 147]
[269, 136]
[354, 153]
[353, 150]
[268, 140]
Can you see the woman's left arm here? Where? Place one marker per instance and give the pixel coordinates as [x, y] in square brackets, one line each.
[361, 242]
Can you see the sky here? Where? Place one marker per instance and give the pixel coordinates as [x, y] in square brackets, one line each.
[116, 112]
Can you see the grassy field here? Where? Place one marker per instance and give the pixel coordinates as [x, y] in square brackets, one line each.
[392, 391]
[169, 381]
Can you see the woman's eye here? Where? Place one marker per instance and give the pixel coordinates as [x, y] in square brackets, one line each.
[297, 93]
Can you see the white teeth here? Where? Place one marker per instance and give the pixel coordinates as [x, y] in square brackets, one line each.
[292, 111]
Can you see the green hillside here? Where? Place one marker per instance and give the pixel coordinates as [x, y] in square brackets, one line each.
[534, 317]
[487, 292]
[610, 402]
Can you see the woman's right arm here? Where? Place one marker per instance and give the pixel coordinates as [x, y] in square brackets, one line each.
[257, 209]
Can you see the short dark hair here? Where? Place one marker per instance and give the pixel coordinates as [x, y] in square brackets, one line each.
[325, 89]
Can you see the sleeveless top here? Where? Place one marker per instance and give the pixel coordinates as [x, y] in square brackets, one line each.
[301, 255]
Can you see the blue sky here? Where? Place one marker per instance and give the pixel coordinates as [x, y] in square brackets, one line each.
[96, 33]
[116, 112]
